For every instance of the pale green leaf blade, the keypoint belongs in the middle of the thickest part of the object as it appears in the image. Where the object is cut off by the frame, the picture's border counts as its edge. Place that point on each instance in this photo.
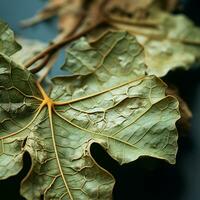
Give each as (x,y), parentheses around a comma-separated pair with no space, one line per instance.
(121,49)
(126,74)
(124,119)
(8,45)
(113,59)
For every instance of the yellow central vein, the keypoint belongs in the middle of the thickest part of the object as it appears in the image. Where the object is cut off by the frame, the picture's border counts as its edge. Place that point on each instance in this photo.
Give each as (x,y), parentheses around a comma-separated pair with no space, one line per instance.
(50,105)
(55,149)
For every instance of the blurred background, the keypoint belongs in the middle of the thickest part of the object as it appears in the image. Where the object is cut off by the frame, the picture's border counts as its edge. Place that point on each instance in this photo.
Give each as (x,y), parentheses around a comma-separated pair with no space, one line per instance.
(163,182)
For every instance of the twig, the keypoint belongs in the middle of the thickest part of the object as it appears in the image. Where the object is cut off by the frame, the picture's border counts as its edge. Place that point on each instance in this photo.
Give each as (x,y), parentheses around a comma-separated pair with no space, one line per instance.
(64,35)
(48,66)
(58,39)
(62,43)
(36,20)
(49,11)
(41,64)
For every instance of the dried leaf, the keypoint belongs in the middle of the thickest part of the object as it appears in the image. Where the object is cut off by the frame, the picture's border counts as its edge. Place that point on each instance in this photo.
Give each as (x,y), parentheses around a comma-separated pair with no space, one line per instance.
(107,100)
(170,41)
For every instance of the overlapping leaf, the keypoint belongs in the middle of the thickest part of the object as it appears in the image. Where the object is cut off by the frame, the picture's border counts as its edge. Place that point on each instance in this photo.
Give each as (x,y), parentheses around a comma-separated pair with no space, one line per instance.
(8,45)
(108,100)
(170,41)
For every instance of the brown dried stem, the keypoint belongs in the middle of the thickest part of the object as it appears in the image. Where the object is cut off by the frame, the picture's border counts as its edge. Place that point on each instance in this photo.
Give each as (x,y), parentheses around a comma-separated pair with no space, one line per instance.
(38,67)
(60,44)
(48,66)
(49,51)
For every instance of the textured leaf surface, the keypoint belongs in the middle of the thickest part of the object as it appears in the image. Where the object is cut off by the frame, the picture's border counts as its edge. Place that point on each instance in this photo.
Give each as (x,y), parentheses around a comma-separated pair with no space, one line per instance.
(8,44)
(107,100)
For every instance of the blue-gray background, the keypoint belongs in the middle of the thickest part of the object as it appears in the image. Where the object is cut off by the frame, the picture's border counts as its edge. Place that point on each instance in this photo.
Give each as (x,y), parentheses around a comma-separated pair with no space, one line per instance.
(180,182)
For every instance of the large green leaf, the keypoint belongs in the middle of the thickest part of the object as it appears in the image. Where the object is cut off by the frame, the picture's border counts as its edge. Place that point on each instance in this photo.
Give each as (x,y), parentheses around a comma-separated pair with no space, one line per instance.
(107,100)
(8,45)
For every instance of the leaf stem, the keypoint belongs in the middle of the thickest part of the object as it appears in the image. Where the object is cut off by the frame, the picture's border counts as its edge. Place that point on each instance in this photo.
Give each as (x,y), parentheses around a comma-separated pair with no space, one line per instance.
(61,44)
(41,64)
(48,67)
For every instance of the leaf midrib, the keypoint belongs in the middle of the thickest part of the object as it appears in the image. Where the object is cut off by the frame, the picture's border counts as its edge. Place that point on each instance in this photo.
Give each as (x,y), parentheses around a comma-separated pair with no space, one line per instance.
(56,152)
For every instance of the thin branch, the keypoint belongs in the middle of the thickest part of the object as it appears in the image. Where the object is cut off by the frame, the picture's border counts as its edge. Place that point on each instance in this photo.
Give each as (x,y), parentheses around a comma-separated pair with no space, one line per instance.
(64,35)
(61,43)
(36,20)
(49,11)
(60,37)
(48,66)
(41,64)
